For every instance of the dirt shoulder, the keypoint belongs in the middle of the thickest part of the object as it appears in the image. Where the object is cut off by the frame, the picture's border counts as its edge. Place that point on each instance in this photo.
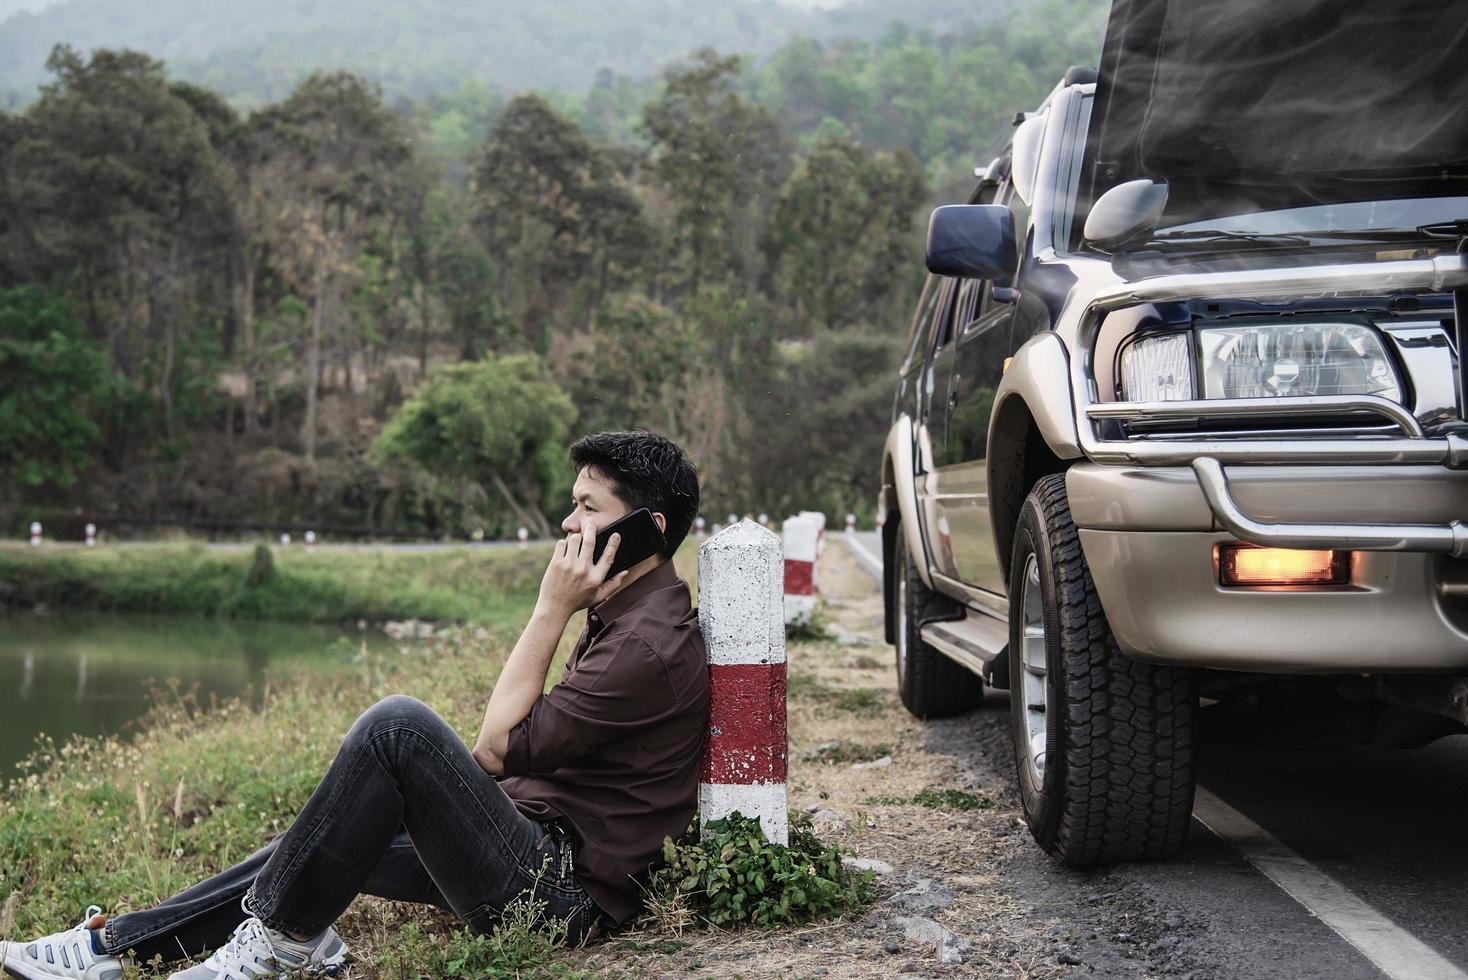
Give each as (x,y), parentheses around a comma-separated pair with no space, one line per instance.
(916,800)
(965,891)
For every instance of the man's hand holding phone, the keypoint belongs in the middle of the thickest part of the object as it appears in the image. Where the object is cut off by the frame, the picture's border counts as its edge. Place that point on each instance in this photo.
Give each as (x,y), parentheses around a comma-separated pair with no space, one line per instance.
(573,581)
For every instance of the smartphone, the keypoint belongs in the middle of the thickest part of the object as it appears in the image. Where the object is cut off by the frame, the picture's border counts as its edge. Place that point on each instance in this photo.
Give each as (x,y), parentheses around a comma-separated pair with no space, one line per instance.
(641,539)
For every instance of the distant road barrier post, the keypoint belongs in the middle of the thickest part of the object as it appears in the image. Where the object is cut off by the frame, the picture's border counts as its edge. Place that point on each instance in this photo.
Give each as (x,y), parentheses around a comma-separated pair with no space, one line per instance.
(91,535)
(285,540)
(522,535)
(699,528)
(742,618)
(35,534)
(850,523)
(820,519)
(802,551)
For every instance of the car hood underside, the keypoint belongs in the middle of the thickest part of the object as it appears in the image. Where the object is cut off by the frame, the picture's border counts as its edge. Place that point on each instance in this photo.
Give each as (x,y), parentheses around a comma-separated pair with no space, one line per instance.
(1285,102)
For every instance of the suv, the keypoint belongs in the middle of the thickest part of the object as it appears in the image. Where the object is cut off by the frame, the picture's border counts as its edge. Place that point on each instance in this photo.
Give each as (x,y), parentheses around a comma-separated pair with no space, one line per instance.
(1182,409)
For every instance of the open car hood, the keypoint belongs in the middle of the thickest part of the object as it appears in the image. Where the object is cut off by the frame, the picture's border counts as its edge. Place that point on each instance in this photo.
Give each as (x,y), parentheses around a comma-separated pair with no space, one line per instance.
(1246,105)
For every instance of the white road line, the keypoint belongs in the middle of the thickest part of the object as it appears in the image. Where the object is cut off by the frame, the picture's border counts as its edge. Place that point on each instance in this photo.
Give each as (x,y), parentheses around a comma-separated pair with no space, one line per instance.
(1393,950)
(864,557)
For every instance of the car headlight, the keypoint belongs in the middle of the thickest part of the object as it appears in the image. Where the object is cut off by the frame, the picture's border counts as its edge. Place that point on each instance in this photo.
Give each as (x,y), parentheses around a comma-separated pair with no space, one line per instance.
(1268,360)
(1158,368)
(1280,360)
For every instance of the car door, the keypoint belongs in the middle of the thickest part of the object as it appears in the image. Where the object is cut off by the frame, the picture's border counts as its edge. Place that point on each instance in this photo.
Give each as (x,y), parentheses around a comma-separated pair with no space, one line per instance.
(978,365)
(961,486)
(931,430)
(944,360)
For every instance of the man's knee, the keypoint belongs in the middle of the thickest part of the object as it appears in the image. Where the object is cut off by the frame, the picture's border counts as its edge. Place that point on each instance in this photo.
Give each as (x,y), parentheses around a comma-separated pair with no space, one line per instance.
(395,711)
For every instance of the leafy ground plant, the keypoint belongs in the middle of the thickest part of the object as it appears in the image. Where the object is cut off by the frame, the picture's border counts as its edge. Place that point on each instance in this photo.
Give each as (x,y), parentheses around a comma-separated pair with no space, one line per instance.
(938,799)
(734,876)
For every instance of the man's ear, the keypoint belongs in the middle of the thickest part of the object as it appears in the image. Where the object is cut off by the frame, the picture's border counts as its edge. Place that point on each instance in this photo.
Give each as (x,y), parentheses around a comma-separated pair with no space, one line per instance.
(662,522)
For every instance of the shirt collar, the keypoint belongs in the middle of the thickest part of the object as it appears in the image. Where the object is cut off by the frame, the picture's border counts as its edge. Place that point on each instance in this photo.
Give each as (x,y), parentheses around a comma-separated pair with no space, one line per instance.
(661,577)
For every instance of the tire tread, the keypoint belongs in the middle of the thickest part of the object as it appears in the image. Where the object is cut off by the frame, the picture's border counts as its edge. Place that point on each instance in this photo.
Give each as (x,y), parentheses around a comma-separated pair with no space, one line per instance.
(1127,741)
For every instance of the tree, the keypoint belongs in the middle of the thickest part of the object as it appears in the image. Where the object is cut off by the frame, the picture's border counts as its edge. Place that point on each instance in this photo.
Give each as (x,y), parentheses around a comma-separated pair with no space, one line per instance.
(717,158)
(50,372)
(325,166)
(555,215)
(822,422)
(118,199)
(499,424)
(842,236)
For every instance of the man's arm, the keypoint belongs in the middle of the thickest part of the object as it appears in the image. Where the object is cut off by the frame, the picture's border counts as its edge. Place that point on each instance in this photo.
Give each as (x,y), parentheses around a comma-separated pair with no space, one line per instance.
(571,582)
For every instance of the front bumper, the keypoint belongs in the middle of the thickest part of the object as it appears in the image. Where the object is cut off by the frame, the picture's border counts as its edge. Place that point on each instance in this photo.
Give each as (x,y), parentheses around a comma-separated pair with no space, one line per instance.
(1149,535)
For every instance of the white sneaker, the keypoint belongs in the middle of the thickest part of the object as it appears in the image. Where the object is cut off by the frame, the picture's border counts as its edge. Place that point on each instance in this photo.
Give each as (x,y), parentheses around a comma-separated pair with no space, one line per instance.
(254,952)
(61,956)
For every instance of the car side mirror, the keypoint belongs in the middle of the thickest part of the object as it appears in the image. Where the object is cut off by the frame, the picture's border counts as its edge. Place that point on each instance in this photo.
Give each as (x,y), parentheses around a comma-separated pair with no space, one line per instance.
(972,241)
(1127,213)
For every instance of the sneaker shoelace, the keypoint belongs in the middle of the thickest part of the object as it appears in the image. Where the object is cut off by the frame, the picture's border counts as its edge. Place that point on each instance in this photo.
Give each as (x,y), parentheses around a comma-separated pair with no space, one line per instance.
(238,952)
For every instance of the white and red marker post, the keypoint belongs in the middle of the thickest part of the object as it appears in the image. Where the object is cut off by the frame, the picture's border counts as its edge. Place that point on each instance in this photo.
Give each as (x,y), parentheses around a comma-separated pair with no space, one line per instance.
(742,617)
(820,518)
(802,552)
(35,534)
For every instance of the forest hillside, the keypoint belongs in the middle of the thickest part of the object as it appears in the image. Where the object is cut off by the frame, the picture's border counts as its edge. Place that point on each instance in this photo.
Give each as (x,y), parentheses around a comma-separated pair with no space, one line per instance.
(355,311)
(258,51)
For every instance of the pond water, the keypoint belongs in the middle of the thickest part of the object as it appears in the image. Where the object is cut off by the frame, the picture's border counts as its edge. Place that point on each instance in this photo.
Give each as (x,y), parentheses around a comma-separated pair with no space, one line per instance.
(93,674)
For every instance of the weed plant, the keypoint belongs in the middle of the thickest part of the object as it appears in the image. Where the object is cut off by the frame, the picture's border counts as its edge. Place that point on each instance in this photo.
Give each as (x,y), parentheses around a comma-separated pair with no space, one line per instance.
(735,876)
(938,799)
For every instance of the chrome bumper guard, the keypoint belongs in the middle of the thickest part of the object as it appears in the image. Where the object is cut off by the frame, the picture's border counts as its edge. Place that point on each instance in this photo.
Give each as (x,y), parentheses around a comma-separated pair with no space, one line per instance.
(1450,538)
(1207,452)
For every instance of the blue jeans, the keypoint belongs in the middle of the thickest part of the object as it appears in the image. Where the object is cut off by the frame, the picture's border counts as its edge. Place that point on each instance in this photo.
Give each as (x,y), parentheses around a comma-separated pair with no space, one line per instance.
(404,812)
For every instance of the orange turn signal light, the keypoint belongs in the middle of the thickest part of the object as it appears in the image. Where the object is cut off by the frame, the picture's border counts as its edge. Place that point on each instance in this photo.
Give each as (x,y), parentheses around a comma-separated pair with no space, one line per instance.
(1245,564)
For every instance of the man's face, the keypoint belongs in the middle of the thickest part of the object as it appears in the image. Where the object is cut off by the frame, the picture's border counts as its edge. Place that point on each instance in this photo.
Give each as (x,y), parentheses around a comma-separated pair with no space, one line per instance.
(594,501)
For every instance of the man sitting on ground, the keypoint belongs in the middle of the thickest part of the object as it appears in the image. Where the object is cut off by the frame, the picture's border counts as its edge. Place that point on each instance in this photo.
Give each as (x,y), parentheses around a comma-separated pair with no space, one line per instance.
(565,796)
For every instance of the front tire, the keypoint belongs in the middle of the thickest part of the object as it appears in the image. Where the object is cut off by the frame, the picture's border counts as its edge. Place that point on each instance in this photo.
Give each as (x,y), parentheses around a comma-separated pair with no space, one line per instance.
(1103,743)
(930,685)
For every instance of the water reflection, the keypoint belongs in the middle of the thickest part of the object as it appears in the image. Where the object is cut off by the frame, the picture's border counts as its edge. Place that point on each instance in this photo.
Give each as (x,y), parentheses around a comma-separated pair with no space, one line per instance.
(93,674)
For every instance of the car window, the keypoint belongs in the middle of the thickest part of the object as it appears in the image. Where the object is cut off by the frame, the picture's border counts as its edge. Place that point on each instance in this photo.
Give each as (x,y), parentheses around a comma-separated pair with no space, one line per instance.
(943,316)
(917,332)
(1072,153)
(1007,195)
(967,307)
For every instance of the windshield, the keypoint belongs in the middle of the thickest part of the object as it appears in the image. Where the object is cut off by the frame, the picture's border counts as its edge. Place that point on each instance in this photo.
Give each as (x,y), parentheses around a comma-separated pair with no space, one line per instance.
(1386,216)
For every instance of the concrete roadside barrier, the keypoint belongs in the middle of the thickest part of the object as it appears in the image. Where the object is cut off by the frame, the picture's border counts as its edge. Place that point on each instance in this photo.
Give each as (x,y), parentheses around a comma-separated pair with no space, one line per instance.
(802,552)
(741,615)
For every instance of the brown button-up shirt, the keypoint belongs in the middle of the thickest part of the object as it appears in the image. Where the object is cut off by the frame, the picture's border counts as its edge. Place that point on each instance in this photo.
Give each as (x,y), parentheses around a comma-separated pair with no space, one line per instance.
(615,747)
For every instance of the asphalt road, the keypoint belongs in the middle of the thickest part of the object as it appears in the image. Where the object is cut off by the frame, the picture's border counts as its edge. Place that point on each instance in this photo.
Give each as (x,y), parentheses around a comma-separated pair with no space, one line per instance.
(1368,841)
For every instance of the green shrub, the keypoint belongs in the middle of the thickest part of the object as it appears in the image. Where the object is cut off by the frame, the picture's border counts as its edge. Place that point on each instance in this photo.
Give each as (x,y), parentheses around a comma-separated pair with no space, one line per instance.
(735,876)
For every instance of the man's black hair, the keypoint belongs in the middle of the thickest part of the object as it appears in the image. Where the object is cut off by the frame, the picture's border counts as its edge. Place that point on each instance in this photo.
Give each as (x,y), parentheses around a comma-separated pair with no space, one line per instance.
(645,470)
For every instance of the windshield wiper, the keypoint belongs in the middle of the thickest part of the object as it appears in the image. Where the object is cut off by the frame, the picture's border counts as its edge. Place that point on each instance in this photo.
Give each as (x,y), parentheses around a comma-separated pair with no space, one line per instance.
(1218,236)
(1457,228)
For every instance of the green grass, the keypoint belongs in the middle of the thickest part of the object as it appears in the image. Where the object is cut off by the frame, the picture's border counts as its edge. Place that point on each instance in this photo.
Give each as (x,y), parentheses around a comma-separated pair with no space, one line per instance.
(330,585)
(938,799)
(125,823)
